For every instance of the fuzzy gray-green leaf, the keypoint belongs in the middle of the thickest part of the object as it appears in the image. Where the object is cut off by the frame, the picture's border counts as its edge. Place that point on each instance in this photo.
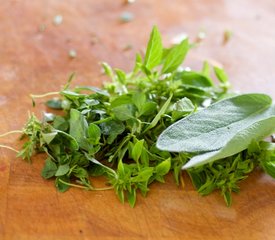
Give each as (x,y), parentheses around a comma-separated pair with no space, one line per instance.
(212,128)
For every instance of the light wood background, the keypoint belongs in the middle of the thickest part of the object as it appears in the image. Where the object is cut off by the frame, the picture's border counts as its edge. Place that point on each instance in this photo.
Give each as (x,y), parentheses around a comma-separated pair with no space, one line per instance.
(35,61)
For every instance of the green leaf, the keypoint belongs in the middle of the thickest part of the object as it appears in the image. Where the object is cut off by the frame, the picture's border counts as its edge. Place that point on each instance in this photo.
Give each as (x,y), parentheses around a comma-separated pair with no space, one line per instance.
(94,89)
(79,128)
(54,104)
(78,125)
(253,147)
(62,170)
(164,167)
(160,113)
(106,168)
(228,198)
(49,169)
(72,141)
(212,128)
(138,64)
(120,168)
(153,54)
(175,57)
(221,74)
(71,94)
(94,133)
(149,108)
(139,100)
(239,141)
(60,185)
(121,100)
(132,197)
(124,112)
(137,150)
(70,79)
(80,172)
(48,137)
(121,76)
(112,128)
(143,175)
(182,107)
(107,70)
(269,167)
(195,79)
(206,69)
(60,123)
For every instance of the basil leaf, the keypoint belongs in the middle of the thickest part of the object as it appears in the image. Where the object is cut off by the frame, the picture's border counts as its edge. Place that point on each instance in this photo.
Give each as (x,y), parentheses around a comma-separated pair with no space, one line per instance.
(137,150)
(154,50)
(195,79)
(221,74)
(164,167)
(124,112)
(175,57)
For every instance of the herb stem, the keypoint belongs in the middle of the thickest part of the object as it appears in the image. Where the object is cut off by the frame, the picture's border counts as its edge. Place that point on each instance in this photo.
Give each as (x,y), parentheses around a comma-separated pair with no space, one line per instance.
(102,189)
(74,185)
(11,132)
(103,120)
(8,147)
(44,95)
(87,187)
(126,140)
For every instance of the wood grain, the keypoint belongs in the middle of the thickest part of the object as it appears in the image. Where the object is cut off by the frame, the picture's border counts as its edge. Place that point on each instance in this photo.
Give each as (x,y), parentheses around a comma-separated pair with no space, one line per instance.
(34,61)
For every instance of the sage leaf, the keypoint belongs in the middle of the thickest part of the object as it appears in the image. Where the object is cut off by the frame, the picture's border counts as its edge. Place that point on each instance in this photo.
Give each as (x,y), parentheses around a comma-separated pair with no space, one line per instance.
(212,128)
(239,142)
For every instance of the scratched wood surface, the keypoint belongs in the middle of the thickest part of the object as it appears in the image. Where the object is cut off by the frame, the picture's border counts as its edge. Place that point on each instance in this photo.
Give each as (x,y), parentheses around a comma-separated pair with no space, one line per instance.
(35,60)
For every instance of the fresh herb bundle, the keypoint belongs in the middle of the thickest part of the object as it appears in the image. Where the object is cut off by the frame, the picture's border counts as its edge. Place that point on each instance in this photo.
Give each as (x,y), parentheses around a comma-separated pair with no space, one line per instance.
(114,130)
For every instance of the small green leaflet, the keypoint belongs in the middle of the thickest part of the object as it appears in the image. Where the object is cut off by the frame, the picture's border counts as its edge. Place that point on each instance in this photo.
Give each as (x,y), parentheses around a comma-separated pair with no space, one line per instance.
(62,170)
(79,128)
(160,113)
(182,108)
(164,167)
(175,57)
(154,50)
(137,150)
(48,137)
(221,75)
(49,169)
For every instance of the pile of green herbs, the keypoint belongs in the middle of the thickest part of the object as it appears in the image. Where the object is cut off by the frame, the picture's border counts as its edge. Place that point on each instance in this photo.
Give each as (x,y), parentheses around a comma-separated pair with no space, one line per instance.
(113,131)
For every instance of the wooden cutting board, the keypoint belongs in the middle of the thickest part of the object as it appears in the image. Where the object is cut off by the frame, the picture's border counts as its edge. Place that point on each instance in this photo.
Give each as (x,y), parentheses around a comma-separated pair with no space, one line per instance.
(34,59)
